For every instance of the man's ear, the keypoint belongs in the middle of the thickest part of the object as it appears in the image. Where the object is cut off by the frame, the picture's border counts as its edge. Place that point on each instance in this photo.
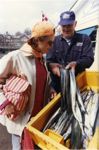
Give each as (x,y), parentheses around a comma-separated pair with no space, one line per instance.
(75,23)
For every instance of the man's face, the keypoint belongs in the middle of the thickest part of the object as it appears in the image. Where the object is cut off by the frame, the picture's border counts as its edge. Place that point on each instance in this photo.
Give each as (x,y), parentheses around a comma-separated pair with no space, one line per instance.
(68,30)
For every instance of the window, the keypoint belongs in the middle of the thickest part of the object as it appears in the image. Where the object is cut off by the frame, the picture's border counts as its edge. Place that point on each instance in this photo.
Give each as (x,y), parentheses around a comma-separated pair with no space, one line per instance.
(91,32)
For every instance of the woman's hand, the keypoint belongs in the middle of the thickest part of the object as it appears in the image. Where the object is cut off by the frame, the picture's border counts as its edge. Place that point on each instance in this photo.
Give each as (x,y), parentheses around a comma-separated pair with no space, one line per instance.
(9,111)
(53,93)
(55,68)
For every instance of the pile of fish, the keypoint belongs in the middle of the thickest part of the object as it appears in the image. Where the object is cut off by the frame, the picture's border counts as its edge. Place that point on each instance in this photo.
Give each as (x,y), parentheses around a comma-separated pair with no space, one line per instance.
(76,118)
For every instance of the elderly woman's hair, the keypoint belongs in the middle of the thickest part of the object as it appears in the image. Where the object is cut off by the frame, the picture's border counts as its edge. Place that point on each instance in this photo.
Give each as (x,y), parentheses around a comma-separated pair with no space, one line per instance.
(33,42)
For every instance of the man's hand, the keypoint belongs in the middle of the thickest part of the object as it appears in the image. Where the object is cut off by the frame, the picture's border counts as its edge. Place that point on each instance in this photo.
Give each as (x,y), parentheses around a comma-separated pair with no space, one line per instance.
(55,68)
(71,65)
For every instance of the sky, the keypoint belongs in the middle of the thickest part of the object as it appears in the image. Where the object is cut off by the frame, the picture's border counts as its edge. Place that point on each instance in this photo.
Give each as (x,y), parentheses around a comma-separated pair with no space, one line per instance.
(17,15)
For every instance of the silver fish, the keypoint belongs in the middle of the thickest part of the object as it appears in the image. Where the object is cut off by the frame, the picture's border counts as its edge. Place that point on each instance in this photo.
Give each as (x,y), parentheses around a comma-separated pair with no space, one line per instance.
(76,135)
(52,119)
(90,117)
(61,118)
(67,133)
(65,90)
(68,123)
(75,106)
(59,130)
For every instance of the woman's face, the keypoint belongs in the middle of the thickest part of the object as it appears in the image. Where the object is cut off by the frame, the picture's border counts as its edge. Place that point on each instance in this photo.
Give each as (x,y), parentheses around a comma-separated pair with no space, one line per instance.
(44,43)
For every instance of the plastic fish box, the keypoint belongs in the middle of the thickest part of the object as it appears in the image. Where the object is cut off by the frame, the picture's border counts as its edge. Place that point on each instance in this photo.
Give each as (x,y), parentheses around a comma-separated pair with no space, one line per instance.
(53,141)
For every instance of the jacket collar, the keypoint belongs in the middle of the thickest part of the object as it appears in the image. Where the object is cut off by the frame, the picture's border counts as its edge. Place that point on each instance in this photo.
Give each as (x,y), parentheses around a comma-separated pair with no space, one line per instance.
(27,50)
(72,38)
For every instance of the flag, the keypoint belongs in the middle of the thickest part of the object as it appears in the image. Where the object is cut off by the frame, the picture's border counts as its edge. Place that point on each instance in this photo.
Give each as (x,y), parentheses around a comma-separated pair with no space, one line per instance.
(44,18)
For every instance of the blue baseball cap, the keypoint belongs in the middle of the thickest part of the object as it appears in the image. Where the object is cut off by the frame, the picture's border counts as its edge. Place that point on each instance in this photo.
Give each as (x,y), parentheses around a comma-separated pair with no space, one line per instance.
(67,17)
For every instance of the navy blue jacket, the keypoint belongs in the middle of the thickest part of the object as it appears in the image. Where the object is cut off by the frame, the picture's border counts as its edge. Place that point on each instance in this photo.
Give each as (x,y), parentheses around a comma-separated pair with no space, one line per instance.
(80,50)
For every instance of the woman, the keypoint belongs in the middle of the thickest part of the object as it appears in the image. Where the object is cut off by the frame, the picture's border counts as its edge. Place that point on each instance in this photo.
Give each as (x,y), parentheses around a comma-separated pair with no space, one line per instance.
(28,62)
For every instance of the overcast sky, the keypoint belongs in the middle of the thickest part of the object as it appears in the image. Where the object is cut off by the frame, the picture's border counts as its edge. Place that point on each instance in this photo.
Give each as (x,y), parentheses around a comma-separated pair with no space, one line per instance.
(17,15)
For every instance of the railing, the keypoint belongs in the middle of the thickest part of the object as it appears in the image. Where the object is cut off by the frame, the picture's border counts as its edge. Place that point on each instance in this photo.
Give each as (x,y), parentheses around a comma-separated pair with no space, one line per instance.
(9,47)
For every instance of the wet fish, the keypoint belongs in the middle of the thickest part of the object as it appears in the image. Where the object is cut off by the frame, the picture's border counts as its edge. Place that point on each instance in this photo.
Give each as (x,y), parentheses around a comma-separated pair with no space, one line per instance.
(54,117)
(76,135)
(90,93)
(68,123)
(61,118)
(92,109)
(61,127)
(67,134)
(65,90)
(80,101)
(74,100)
(63,87)
(78,112)
(53,126)
(84,113)
(84,94)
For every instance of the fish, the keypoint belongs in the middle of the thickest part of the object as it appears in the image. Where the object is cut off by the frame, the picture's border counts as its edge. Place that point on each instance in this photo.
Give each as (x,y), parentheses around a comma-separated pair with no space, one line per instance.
(76,109)
(68,123)
(79,100)
(84,94)
(76,117)
(91,117)
(63,87)
(92,109)
(67,134)
(61,118)
(53,118)
(76,135)
(52,127)
(90,93)
(60,128)
(65,90)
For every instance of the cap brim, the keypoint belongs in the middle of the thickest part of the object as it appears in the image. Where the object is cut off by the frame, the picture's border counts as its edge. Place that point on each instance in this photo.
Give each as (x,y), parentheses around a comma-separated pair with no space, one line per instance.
(66,22)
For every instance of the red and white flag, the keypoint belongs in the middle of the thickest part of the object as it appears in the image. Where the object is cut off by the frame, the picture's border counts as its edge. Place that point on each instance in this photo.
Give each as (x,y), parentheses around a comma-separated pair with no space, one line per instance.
(44,18)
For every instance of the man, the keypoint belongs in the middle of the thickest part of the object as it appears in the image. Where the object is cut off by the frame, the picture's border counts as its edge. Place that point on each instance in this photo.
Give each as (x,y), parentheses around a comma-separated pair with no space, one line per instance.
(27,62)
(70,49)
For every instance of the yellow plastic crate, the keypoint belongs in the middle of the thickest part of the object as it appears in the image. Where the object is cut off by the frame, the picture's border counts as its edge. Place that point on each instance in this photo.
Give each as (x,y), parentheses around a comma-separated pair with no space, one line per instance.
(53,141)
(88,79)
(58,138)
